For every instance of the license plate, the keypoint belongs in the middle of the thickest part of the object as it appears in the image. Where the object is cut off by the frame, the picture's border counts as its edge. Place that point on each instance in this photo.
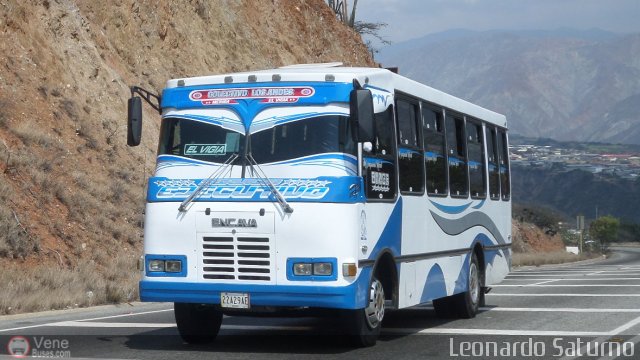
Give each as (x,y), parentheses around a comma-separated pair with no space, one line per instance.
(234,300)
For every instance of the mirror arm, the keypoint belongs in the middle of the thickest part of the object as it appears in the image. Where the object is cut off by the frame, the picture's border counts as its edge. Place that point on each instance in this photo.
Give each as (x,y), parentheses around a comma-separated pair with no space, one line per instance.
(147,96)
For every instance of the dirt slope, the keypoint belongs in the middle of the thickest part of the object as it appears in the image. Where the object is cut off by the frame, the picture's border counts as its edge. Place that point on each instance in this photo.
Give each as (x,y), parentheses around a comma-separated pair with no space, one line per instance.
(71,192)
(528,238)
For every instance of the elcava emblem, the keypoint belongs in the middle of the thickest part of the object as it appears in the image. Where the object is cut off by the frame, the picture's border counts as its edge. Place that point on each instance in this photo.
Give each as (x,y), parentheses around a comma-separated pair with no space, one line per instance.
(233,222)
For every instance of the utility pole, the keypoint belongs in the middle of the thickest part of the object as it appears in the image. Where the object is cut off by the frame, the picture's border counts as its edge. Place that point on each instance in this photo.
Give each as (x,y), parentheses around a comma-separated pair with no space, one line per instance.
(580,227)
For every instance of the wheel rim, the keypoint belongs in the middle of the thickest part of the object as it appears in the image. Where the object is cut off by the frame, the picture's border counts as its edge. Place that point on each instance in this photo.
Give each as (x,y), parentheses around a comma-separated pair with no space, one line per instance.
(374,312)
(474,283)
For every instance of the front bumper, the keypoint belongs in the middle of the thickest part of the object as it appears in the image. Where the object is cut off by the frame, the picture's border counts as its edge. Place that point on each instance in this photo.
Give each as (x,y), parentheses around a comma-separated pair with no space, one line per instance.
(353,296)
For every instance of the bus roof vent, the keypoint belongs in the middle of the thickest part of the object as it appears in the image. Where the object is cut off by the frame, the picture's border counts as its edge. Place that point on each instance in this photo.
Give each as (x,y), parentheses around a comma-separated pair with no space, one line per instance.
(313,66)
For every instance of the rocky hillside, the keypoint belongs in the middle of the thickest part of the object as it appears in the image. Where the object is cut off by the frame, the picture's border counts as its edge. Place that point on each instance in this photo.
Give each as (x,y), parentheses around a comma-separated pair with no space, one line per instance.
(528,238)
(71,192)
(565,85)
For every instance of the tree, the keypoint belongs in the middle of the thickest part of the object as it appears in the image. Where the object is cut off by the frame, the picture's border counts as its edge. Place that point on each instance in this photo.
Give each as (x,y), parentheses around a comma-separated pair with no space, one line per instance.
(340,8)
(605,229)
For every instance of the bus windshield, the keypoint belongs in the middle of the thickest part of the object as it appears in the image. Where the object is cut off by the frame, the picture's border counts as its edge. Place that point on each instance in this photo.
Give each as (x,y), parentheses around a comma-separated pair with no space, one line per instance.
(213,143)
(198,140)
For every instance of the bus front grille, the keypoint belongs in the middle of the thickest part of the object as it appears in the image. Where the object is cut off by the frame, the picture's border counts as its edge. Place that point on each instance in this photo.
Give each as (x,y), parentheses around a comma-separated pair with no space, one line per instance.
(237,257)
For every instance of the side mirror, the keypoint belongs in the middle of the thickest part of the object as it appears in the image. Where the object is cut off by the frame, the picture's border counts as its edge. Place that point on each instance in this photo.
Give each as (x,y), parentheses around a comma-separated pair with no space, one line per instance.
(134,122)
(361,102)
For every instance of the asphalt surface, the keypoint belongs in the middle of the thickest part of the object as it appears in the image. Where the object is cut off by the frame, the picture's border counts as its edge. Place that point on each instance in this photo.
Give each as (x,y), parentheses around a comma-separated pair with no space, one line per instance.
(572,311)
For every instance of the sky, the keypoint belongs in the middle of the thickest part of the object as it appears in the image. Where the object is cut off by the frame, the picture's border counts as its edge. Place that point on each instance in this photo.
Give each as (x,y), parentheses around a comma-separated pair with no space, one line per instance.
(409,19)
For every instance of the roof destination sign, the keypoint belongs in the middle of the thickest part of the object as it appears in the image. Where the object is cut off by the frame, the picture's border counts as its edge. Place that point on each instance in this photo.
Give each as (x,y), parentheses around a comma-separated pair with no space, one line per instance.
(280,94)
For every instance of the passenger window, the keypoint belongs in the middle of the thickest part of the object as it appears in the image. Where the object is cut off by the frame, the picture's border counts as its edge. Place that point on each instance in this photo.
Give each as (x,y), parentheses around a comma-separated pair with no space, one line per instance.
(380,163)
(410,156)
(477,173)
(505,173)
(407,115)
(494,175)
(434,150)
(457,155)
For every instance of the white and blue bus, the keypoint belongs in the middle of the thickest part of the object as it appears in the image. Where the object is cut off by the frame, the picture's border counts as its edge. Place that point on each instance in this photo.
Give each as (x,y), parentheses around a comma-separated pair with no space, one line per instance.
(321,186)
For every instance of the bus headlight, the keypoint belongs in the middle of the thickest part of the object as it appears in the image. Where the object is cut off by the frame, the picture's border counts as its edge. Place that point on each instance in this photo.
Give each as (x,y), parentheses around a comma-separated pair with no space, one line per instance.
(173,266)
(323,269)
(301,269)
(156,265)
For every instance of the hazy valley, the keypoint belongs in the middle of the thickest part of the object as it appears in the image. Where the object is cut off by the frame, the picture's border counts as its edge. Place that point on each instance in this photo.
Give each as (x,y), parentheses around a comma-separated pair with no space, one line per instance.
(563,84)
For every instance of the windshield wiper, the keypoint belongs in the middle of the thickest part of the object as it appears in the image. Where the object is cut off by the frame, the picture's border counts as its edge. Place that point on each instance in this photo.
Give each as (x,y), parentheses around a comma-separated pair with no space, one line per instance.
(253,164)
(204,183)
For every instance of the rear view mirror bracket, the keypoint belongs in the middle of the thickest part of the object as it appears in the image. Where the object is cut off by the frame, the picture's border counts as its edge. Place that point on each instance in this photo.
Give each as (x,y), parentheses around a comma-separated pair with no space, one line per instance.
(147,96)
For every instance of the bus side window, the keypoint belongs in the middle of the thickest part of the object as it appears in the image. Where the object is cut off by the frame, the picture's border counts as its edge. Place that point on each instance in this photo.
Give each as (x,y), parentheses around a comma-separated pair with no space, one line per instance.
(457,155)
(494,175)
(505,172)
(410,156)
(477,173)
(380,164)
(434,151)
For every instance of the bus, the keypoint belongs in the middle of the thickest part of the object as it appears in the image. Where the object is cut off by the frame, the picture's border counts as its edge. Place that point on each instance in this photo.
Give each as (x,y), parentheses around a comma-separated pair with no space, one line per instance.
(319,186)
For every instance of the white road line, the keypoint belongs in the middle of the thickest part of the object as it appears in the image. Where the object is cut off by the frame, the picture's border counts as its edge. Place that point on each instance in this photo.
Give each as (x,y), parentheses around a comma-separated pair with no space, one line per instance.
(585,269)
(521,309)
(627,326)
(125,315)
(576,273)
(607,337)
(553,272)
(578,279)
(582,277)
(84,324)
(485,331)
(98,318)
(565,285)
(564,310)
(539,283)
(597,272)
(567,295)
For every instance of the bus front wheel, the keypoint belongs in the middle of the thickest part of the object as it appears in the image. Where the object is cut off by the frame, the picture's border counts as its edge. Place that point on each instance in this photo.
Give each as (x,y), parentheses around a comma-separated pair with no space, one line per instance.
(366,323)
(197,323)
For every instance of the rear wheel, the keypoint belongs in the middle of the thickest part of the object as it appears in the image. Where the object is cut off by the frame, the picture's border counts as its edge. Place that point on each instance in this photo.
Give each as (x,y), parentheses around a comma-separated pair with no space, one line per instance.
(464,305)
(365,323)
(469,301)
(197,323)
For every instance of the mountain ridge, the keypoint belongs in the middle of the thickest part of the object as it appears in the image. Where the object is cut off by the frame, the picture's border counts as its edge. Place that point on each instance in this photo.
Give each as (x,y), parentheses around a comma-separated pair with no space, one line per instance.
(564,84)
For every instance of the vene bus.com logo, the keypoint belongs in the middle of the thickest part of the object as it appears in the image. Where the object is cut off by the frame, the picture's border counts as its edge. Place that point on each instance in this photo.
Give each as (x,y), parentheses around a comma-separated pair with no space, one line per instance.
(18,346)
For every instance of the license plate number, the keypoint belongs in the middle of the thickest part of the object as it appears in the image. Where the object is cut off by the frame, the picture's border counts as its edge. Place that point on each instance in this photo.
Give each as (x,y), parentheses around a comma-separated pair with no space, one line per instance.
(234,300)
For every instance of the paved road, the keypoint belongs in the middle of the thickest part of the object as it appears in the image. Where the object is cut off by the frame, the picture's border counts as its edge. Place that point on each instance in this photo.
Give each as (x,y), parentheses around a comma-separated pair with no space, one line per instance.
(545,312)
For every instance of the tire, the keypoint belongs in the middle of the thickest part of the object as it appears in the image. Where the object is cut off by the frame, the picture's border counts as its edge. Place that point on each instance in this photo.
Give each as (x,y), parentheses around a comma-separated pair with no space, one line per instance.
(468,302)
(464,305)
(197,323)
(365,324)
